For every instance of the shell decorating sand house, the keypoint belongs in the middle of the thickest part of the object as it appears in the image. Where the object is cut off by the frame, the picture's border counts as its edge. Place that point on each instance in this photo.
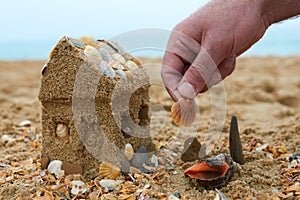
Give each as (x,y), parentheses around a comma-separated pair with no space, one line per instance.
(94,100)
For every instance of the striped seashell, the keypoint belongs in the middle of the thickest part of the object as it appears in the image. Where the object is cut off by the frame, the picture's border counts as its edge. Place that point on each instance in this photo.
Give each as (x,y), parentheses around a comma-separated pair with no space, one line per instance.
(129,152)
(130,65)
(87,40)
(61,130)
(105,56)
(183,112)
(108,170)
(119,58)
(92,54)
(128,75)
(137,61)
(109,49)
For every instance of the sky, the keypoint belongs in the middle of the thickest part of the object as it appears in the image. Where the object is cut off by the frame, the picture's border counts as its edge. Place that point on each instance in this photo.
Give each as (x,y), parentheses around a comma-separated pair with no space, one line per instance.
(38,21)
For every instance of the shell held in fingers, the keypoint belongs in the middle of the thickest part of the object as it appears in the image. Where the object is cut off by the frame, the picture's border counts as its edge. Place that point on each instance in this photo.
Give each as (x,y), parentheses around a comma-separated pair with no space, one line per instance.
(183,112)
(108,170)
(215,172)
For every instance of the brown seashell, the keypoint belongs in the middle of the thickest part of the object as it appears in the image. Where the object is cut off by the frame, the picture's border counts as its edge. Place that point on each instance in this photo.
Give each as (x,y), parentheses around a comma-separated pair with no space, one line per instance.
(88,40)
(137,61)
(129,152)
(62,130)
(235,145)
(107,170)
(215,172)
(183,112)
(128,75)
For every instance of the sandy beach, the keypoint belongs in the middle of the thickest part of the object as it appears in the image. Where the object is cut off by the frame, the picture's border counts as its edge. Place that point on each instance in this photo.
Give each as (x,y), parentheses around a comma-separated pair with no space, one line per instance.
(262,92)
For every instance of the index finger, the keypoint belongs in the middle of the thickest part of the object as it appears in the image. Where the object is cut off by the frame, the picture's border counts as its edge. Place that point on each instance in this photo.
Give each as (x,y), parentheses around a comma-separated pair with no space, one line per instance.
(172,72)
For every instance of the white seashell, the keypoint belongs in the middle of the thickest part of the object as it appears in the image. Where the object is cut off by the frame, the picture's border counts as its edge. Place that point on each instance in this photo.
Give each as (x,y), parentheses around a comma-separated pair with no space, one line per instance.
(129,152)
(78,187)
(119,58)
(121,73)
(88,40)
(127,56)
(109,72)
(220,195)
(92,54)
(107,170)
(54,166)
(129,75)
(109,49)
(61,130)
(154,160)
(108,184)
(115,46)
(105,56)
(130,65)
(25,123)
(116,65)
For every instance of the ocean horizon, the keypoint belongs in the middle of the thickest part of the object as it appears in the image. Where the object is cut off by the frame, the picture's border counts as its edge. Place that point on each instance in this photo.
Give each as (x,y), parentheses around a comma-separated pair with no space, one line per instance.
(272,44)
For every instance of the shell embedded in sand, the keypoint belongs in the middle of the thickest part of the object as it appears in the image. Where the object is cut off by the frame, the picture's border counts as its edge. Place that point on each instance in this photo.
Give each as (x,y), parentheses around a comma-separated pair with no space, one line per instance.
(128,75)
(183,112)
(214,172)
(130,65)
(92,54)
(107,170)
(109,72)
(54,167)
(129,152)
(87,40)
(116,65)
(137,61)
(120,73)
(105,56)
(119,58)
(61,130)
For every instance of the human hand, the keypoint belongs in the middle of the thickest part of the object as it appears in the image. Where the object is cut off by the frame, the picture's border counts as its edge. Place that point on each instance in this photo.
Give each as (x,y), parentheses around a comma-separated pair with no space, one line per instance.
(202,49)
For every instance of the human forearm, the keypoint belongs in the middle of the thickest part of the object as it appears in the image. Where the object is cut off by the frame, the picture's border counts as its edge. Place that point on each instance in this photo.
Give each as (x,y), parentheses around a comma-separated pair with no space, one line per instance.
(278,10)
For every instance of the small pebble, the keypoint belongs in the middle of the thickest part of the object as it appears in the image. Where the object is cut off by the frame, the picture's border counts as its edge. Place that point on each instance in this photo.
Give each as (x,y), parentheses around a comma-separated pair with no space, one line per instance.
(177,194)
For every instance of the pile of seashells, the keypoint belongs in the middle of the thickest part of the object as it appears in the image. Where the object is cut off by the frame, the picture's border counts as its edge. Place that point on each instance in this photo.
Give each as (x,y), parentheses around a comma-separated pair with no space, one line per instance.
(110,57)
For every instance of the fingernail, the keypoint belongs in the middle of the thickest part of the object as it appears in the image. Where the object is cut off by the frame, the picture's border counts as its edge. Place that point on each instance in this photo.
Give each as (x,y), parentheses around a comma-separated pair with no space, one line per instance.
(186,90)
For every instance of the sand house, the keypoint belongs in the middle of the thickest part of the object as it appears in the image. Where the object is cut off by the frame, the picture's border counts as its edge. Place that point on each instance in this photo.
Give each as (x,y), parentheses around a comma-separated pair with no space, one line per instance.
(95,100)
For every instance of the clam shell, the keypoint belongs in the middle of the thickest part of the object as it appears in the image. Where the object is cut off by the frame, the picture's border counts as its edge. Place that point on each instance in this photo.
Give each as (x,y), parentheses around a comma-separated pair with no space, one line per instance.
(92,54)
(183,112)
(78,187)
(128,75)
(215,172)
(105,56)
(137,61)
(87,40)
(107,170)
(130,65)
(129,152)
(62,130)
(26,123)
(117,57)
(54,166)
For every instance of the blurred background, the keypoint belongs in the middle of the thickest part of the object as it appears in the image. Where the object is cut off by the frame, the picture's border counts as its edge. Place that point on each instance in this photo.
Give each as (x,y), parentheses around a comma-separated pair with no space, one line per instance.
(30,29)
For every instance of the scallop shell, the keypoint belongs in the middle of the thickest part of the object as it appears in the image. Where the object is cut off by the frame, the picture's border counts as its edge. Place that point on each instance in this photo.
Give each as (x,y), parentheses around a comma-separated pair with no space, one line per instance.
(215,172)
(129,152)
(119,58)
(107,170)
(87,40)
(92,54)
(61,130)
(183,112)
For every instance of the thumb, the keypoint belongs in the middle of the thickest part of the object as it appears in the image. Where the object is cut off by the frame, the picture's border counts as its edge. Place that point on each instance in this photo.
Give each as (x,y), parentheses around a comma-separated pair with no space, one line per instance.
(197,77)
